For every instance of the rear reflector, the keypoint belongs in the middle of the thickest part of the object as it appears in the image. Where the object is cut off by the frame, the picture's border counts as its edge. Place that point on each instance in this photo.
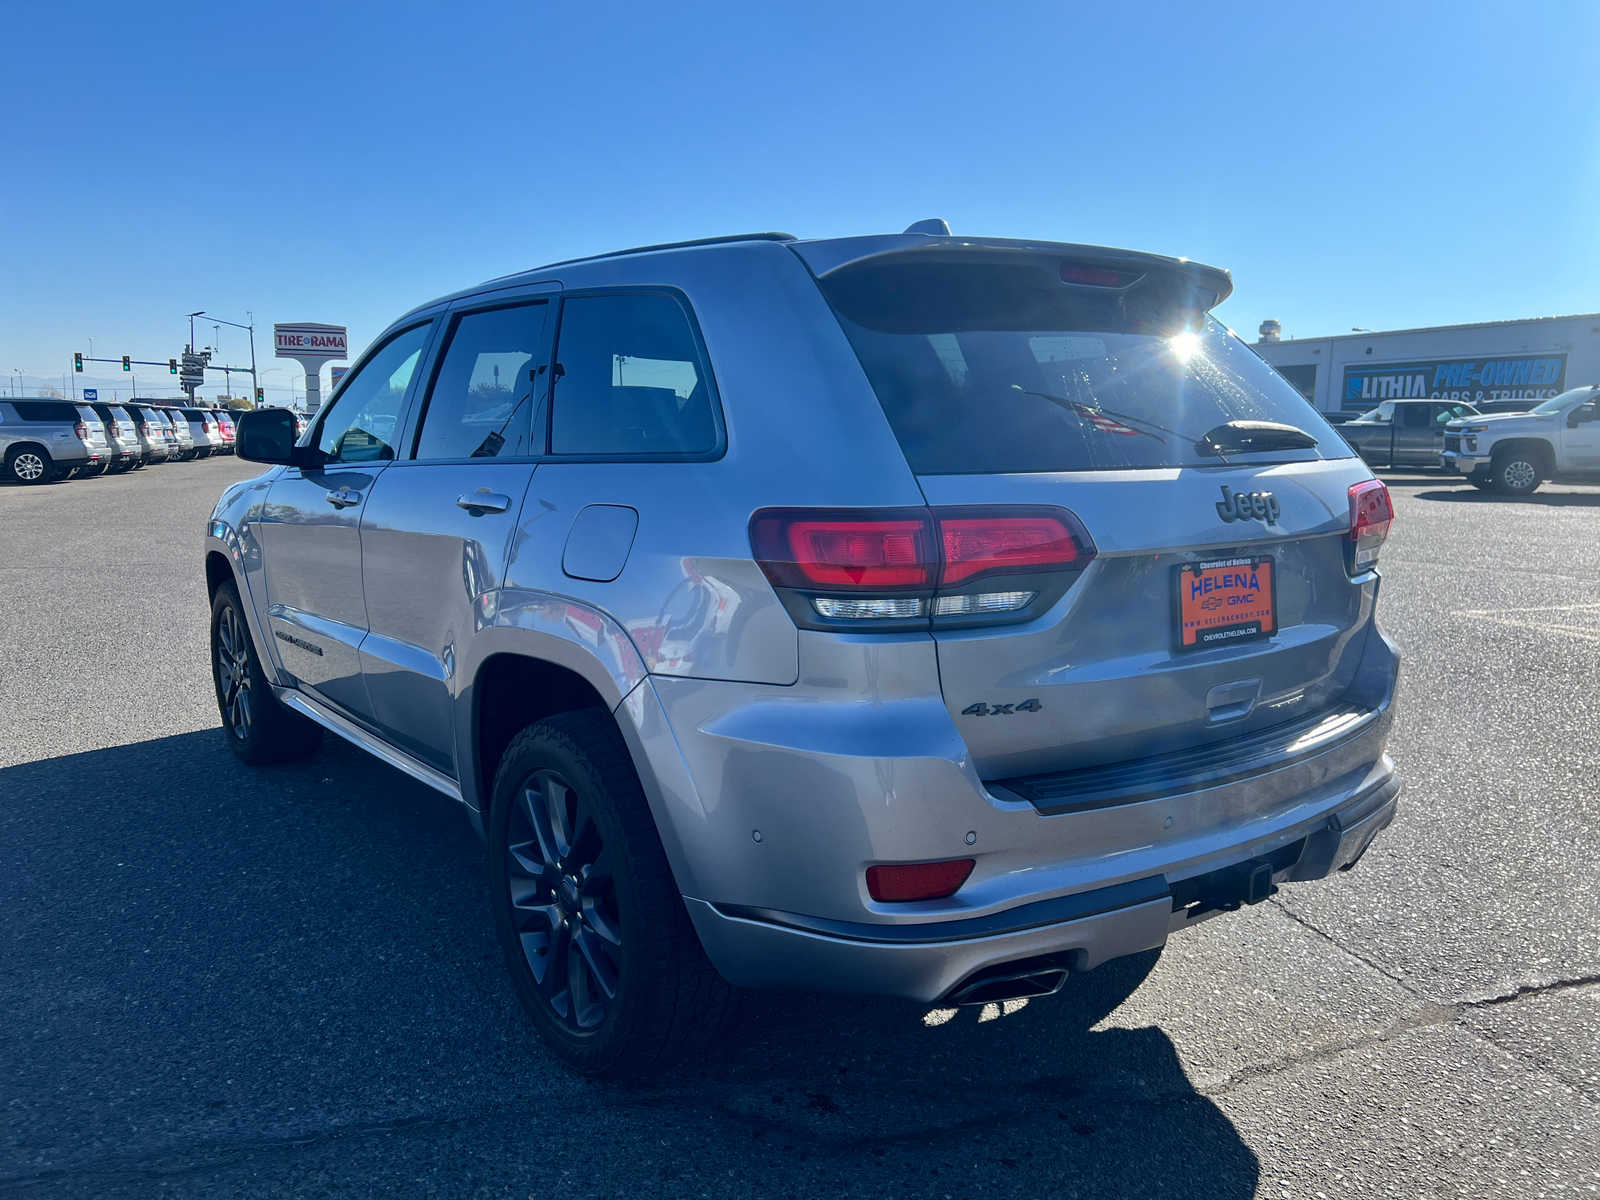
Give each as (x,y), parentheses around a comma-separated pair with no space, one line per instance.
(918,881)
(1371,514)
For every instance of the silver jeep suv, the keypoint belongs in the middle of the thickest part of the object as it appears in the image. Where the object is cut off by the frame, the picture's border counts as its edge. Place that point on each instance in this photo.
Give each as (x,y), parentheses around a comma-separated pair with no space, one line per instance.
(928,616)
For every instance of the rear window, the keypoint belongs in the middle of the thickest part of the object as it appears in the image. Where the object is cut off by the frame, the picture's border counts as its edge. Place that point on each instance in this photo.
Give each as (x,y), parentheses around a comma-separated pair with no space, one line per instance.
(1000,367)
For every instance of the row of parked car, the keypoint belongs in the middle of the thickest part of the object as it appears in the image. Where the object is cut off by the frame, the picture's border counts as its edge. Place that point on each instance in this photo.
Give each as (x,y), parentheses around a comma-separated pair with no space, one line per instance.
(45,439)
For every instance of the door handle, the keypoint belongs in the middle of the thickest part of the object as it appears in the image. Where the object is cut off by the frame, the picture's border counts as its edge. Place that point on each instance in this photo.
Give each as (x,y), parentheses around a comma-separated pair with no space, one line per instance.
(343,497)
(478,503)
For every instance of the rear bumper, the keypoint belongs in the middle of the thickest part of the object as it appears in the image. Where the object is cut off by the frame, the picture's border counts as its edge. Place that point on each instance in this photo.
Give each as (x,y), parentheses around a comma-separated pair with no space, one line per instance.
(931,962)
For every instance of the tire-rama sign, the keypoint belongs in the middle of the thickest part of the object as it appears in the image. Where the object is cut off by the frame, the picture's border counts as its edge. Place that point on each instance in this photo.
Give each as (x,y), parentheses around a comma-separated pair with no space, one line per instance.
(1468,380)
(305,341)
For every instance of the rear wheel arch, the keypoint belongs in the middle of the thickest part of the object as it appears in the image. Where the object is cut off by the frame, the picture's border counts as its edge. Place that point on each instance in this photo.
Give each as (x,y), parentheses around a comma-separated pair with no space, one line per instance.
(511,691)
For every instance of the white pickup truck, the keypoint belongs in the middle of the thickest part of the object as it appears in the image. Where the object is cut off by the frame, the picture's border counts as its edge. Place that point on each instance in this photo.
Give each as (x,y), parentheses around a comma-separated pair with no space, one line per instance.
(1515,452)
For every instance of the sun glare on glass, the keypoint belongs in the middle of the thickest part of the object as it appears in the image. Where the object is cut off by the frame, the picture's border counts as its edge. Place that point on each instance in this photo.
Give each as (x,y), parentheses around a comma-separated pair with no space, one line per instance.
(1184,345)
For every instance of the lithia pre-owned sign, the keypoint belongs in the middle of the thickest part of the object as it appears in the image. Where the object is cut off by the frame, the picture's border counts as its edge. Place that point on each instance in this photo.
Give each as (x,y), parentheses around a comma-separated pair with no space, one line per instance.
(311,341)
(1469,380)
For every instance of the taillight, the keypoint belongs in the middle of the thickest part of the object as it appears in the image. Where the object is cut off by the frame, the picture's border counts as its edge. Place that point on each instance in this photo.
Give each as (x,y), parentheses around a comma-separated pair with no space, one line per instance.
(873,551)
(999,544)
(81,430)
(114,429)
(1371,514)
(899,568)
(144,428)
(900,882)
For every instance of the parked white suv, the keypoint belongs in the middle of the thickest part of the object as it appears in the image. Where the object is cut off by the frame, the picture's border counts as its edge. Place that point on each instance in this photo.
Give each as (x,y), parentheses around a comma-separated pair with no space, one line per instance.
(1516,452)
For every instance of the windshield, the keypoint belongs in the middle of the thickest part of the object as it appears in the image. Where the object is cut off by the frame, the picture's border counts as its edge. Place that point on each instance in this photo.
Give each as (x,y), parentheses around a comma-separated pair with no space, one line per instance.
(1557,403)
(995,368)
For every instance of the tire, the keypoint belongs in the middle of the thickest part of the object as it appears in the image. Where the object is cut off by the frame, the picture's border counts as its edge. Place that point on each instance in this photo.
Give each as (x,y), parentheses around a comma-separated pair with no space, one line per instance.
(594,931)
(258,728)
(29,464)
(1484,483)
(1517,473)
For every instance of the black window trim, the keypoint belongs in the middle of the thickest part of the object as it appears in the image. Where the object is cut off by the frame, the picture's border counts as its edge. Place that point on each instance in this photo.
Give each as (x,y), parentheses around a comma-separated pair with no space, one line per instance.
(313,434)
(424,398)
(713,393)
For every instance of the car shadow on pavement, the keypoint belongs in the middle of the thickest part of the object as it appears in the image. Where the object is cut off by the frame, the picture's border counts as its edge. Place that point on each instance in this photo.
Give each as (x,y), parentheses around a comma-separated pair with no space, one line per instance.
(210,964)
(1471,495)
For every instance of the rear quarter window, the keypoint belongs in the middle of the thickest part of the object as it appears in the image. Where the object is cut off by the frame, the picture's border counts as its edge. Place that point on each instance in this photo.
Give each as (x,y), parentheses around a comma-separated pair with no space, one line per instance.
(46,411)
(631,380)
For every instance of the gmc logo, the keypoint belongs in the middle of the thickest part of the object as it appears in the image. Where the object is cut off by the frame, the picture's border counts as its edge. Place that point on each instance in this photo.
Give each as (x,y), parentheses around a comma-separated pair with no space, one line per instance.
(1248,506)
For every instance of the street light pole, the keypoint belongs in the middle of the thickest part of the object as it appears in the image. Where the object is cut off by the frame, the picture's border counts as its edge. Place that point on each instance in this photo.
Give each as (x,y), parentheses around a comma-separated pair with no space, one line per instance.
(252,328)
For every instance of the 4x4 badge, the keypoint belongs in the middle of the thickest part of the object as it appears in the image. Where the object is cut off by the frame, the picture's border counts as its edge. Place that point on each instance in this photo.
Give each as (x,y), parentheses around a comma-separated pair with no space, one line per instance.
(980,709)
(1245,506)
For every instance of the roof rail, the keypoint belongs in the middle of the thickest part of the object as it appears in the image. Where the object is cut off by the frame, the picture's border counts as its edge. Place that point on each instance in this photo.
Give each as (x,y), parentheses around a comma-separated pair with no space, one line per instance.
(710,241)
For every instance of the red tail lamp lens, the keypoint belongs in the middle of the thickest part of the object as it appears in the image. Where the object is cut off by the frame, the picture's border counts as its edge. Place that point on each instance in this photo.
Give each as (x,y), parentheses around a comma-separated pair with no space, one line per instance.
(1371,510)
(980,545)
(1371,514)
(836,550)
(918,881)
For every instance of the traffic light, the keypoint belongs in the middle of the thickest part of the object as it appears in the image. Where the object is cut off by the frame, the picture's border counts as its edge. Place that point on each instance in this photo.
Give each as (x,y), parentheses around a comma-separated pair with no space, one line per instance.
(172,366)
(125,365)
(77,361)
(261,394)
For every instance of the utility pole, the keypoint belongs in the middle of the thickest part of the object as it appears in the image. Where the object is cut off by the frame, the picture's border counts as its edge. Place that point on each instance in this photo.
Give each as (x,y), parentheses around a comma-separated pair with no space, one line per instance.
(252,328)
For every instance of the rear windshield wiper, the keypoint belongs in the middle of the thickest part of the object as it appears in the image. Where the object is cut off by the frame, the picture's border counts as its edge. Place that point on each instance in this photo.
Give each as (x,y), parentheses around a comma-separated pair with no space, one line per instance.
(1106,420)
(1236,437)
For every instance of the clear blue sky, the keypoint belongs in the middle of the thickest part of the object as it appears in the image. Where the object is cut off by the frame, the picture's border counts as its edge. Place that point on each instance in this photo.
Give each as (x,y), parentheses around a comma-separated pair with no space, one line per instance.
(1390,165)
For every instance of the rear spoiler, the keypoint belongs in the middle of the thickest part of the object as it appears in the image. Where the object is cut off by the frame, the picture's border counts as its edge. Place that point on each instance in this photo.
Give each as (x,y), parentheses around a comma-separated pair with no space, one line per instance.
(1209,286)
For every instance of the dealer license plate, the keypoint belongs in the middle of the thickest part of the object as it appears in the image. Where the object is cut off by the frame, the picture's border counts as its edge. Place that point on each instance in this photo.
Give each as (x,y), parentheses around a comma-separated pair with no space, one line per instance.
(1225,600)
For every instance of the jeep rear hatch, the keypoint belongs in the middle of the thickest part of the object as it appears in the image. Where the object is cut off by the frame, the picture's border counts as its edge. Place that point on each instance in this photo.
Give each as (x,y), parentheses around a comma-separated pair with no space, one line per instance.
(1215,591)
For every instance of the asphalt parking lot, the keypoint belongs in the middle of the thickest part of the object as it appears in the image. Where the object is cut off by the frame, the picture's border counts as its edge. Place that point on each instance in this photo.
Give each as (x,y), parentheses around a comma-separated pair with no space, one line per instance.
(284,980)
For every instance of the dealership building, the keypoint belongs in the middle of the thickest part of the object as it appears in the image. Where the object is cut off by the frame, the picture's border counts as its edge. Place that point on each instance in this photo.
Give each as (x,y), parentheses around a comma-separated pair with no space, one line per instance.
(1500,360)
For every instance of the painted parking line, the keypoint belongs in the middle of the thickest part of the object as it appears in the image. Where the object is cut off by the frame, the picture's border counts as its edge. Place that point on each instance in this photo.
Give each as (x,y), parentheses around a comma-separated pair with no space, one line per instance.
(1519,618)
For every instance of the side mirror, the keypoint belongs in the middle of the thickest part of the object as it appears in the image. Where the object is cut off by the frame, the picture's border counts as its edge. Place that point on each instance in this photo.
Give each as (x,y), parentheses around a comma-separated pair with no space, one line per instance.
(266,435)
(1584,412)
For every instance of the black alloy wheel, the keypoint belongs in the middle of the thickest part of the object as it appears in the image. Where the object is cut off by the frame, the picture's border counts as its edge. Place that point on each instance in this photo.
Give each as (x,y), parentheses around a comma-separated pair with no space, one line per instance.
(564,900)
(231,664)
(258,726)
(594,931)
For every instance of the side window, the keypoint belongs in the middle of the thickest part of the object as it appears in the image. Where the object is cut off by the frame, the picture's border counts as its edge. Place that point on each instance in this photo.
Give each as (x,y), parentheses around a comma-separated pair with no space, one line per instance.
(483,398)
(360,427)
(1415,416)
(630,379)
(46,411)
